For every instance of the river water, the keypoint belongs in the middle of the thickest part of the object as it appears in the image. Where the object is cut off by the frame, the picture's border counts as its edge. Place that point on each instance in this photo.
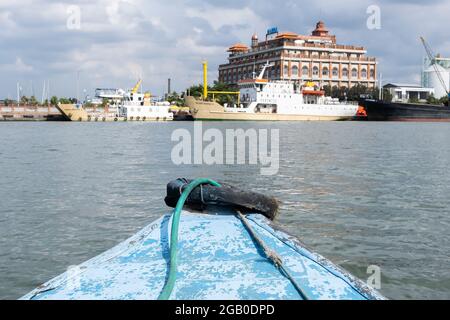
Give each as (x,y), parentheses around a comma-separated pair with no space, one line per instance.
(359,193)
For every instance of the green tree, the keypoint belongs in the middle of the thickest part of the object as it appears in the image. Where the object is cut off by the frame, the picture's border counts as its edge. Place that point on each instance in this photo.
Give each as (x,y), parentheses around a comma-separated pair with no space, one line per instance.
(24,100)
(355,92)
(224,98)
(33,101)
(327,90)
(335,92)
(175,98)
(413,100)
(444,100)
(387,96)
(195,91)
(54,101)
(65,101)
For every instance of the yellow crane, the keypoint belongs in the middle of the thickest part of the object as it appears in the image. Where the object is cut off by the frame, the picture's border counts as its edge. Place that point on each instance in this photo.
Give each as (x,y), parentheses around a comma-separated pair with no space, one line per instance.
(137,86)
(205,85)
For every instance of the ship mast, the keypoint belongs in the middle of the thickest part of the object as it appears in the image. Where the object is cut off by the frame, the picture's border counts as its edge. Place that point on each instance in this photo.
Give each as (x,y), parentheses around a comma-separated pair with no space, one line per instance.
(267,65)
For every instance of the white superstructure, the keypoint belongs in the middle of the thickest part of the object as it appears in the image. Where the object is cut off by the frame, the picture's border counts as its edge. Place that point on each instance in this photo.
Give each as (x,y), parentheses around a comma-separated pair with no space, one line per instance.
(138,106)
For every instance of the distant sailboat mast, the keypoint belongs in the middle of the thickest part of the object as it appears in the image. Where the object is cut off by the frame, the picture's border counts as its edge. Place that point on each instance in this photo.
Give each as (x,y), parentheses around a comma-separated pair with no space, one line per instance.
(18,94)
(43,93)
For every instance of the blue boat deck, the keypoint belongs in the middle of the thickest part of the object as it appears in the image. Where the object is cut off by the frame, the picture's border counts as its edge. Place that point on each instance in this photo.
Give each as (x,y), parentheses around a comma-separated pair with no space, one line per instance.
(217,259)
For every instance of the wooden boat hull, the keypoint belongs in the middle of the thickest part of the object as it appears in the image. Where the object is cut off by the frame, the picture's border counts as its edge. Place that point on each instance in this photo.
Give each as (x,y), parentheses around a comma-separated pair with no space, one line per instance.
(217,259)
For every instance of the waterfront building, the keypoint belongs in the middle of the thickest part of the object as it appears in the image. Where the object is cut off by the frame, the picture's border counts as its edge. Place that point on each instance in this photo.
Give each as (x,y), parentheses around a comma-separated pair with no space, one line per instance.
(300,58)
(408,92)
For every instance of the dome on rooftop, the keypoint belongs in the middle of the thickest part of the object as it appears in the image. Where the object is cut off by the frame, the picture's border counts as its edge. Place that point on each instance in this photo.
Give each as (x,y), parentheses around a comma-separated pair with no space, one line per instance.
(320,30)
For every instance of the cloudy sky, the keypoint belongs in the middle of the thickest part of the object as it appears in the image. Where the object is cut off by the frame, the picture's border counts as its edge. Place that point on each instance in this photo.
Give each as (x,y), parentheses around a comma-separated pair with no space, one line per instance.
(118,41)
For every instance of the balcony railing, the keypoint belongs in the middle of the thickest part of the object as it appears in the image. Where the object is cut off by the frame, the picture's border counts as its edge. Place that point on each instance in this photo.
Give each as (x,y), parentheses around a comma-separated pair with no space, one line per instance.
(327,57)
(324,46)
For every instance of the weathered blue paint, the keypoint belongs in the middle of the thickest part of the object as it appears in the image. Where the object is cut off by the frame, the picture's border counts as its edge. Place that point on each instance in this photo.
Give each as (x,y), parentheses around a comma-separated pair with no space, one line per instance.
(217,259)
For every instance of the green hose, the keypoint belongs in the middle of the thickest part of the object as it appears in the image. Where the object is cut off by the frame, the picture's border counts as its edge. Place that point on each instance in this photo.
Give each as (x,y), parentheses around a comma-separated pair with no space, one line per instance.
(168,287)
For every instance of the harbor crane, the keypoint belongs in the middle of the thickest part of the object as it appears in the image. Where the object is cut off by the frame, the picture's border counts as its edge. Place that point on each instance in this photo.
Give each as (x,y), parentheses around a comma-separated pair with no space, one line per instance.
(206,92)
(137,86)
(432,58)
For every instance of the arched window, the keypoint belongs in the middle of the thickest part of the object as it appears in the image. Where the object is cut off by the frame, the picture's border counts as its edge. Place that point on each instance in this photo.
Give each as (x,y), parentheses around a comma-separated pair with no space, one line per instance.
(315,71)
(295,71)
(305,71)
(372,73)
(335,72)
(325,71)
(364,73)
(345,73)
(354,73)
(285,71)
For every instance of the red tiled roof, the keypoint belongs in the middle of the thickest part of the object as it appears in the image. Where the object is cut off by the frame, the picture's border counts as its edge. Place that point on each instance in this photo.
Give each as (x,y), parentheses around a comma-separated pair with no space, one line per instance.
(238,47)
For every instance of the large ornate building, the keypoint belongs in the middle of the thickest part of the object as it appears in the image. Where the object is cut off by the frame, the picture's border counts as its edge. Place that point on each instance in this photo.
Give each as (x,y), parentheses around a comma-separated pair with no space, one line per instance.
(295,57)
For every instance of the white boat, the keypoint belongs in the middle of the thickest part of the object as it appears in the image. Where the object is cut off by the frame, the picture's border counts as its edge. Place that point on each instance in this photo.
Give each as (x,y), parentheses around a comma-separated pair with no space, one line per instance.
(260,99)
(138,106)
(123,106)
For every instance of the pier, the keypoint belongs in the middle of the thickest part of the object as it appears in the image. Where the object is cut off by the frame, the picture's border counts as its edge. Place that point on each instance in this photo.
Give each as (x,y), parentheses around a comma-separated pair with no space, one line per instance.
(29,113)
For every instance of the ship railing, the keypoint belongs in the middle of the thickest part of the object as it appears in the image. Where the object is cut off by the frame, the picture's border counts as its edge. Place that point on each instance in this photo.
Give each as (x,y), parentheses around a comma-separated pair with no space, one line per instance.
(340,102)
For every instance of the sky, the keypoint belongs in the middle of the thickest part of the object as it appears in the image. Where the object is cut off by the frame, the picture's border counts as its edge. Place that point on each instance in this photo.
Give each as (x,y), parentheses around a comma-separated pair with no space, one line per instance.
(113,43)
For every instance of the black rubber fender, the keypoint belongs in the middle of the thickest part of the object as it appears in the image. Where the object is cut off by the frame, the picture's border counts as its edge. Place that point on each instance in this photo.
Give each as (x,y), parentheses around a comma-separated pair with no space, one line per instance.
(225,196)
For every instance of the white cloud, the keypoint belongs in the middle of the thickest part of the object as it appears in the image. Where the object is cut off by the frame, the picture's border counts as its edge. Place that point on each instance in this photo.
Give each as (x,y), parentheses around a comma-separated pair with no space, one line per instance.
(18,66)
(21,66)
(220,17)
(121,40)
(7,25)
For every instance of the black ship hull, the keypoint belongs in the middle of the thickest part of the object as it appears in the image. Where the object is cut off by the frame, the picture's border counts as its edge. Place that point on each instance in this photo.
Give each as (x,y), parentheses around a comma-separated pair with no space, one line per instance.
(387,111)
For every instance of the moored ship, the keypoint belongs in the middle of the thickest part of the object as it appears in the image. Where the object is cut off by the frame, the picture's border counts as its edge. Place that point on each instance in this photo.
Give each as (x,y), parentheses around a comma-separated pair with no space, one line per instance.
(395,111)
(261,99)
(131,106)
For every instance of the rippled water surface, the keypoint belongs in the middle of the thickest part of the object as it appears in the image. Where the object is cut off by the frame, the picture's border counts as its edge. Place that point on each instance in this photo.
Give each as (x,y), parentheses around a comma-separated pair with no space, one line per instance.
(358,193)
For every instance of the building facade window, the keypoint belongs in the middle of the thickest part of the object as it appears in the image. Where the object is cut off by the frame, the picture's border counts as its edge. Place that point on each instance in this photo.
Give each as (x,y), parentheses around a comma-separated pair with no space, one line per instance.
(305,71)
(325,71)
(354,73)
(372,73)
(295,71)
(345,73)
(285,71)
(335,72)
(364,73)
(315,71)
